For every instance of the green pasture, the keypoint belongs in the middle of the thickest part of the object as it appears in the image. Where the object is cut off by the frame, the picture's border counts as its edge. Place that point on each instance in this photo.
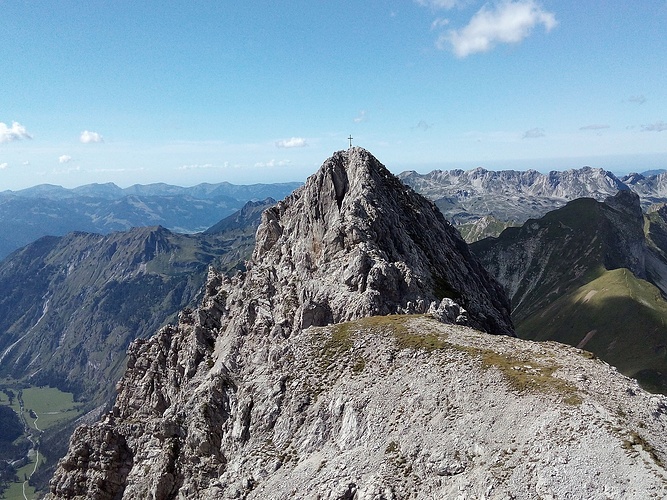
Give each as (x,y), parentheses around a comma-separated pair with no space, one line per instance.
(52,407)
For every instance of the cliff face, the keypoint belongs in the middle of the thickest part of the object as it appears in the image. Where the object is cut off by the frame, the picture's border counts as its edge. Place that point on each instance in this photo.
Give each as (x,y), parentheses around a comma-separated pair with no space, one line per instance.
(355,242)
(289,380)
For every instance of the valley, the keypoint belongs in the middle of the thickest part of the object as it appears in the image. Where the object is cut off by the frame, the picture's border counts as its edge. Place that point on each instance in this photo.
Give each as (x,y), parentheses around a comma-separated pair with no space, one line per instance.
(40,411)
(73,304)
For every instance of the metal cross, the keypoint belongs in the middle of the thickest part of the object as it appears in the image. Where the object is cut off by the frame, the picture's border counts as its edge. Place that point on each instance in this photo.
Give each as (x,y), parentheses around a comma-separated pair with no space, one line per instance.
(350,139)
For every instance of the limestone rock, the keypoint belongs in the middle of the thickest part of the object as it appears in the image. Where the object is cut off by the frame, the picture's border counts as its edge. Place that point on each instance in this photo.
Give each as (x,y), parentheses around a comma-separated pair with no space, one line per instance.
(311,376)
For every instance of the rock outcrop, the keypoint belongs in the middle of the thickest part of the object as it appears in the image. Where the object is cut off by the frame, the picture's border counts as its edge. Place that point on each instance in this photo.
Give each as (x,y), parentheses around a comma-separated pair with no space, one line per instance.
(384,407)
(296,379)
(355,242)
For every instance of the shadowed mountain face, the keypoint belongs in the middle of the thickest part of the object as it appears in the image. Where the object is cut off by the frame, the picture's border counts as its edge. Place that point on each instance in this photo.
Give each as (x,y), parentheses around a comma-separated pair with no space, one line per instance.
(591,274)
(293,379)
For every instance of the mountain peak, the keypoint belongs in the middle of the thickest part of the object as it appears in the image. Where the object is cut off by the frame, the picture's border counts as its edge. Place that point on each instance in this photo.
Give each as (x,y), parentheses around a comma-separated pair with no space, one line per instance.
(361,243)
(352,243)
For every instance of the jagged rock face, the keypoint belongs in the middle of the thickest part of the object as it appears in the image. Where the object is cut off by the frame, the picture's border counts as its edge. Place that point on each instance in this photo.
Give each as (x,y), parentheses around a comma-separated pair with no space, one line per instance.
(567,185)
(355,242)
(200,400)
(652,188)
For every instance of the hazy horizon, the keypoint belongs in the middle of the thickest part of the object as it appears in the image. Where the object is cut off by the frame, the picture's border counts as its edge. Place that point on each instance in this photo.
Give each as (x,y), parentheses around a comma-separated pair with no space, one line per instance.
(615,166)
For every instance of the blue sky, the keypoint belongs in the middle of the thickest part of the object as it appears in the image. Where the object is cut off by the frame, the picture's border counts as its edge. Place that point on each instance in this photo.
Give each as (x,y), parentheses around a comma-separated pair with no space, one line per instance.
(209,91)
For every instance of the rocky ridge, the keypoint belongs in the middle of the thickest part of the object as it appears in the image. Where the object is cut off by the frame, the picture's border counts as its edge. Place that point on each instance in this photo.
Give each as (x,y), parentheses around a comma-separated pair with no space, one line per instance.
(290,380)
(509,195)
(384,407)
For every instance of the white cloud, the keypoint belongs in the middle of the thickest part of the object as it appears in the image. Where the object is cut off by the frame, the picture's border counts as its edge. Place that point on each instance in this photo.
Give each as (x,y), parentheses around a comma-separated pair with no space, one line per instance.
(423,126)
(509,22)
(3,166)
(66,171)
(637,99)
(655,127)
(294,142)
(13,133)
(362,117)
(534,133)
(594,127)
(88,137)
(205,166)
(64,159)
(439,23)
(441,4)
(273,163)
(196,166)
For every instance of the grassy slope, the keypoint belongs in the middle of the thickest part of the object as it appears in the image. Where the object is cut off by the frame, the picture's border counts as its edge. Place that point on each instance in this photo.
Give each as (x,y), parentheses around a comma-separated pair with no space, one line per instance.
(617,316)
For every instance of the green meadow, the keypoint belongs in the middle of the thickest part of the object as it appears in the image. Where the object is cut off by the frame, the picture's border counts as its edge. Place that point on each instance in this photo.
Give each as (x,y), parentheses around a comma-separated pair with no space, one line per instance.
(44,408)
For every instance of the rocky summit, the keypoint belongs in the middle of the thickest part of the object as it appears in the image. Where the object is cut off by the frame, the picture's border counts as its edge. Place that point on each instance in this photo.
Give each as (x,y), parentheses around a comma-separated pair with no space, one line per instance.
(338,365)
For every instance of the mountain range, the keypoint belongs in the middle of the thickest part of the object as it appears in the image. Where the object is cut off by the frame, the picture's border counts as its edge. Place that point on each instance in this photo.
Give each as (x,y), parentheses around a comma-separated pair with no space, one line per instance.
(352,359)
(59,287)
(484,202)
(48,210)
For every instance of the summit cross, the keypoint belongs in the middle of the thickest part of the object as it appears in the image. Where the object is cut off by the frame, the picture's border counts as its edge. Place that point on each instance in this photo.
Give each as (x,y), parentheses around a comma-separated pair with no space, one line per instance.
(350,139)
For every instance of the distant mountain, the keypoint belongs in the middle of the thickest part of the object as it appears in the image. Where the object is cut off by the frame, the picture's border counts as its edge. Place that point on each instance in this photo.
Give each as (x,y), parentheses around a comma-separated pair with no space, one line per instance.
(245,219)
(71,305)
(650,173)
(594,275)
(29,214)
(651,189)
(509,195)
(483,227)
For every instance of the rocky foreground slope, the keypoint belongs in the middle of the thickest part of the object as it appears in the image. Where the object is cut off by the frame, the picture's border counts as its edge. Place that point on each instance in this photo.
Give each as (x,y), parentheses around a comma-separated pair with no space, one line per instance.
(292,381)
